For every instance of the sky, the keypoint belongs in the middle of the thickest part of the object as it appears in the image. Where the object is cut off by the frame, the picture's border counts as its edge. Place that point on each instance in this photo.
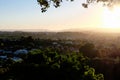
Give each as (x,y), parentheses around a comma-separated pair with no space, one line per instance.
(26,15)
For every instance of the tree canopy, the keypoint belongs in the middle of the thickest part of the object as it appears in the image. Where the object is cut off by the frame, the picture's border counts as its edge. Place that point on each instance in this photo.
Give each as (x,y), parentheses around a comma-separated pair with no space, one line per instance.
(45,4)
(48,64)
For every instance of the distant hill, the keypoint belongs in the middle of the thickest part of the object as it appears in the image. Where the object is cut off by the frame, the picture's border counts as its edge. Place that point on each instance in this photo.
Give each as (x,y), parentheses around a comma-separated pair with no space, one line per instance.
(59,35)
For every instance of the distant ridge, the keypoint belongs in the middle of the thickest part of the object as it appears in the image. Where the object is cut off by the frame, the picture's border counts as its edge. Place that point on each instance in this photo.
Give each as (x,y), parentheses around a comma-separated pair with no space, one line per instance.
(100,30)
(25,30)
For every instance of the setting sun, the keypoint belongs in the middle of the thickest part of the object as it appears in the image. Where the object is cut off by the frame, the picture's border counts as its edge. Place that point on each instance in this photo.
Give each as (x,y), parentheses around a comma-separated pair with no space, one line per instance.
(111,18)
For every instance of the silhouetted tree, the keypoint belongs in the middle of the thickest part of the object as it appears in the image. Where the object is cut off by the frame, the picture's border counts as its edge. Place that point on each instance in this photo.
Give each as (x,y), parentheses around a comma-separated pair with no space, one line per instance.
(88,50)
(45,4)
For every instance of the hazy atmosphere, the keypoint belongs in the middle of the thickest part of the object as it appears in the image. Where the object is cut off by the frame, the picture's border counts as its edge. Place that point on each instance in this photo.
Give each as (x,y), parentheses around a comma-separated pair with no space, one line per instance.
(26,15)
(59,40)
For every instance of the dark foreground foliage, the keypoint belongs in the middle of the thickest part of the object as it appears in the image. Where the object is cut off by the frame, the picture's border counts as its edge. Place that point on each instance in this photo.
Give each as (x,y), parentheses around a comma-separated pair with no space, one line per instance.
(49,65)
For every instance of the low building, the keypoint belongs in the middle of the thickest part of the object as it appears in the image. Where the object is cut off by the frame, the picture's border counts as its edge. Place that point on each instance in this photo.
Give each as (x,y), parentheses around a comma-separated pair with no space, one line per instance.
(21,51)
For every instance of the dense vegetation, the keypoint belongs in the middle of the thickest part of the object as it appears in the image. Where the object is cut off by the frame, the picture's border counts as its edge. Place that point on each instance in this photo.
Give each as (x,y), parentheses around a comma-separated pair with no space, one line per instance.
(49,65)
(67,56)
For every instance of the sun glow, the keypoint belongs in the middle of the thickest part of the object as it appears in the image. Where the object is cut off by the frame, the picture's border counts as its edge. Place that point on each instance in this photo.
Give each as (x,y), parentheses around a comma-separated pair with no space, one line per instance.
(111,18)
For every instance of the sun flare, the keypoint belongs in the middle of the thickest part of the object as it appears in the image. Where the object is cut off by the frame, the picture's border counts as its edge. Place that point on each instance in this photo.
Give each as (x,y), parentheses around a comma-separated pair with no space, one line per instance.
(111,18)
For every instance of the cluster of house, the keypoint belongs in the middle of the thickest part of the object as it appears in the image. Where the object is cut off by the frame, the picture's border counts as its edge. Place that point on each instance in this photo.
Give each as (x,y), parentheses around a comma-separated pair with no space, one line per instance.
(15,55)
(5,55)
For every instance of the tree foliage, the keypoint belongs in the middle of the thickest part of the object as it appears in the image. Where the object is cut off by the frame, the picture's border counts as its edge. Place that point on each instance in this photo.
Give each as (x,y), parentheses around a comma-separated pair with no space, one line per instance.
(58,66)
(50,65)
(45,4)
(88,50)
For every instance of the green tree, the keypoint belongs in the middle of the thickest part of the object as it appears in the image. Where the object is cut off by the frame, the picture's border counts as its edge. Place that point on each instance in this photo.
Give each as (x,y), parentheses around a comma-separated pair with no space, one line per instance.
(58,66)
(88,50)
(47,64)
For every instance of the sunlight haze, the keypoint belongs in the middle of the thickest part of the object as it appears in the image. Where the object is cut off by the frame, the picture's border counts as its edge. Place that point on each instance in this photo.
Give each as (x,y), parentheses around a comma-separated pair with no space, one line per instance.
(26,15)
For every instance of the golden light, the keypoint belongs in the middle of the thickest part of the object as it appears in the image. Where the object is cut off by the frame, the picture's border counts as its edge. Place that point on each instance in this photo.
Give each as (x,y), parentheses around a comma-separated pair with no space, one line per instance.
(111,18)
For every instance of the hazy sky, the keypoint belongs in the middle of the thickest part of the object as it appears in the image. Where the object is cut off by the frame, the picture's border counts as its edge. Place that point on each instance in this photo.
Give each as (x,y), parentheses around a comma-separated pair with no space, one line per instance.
(26,14)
